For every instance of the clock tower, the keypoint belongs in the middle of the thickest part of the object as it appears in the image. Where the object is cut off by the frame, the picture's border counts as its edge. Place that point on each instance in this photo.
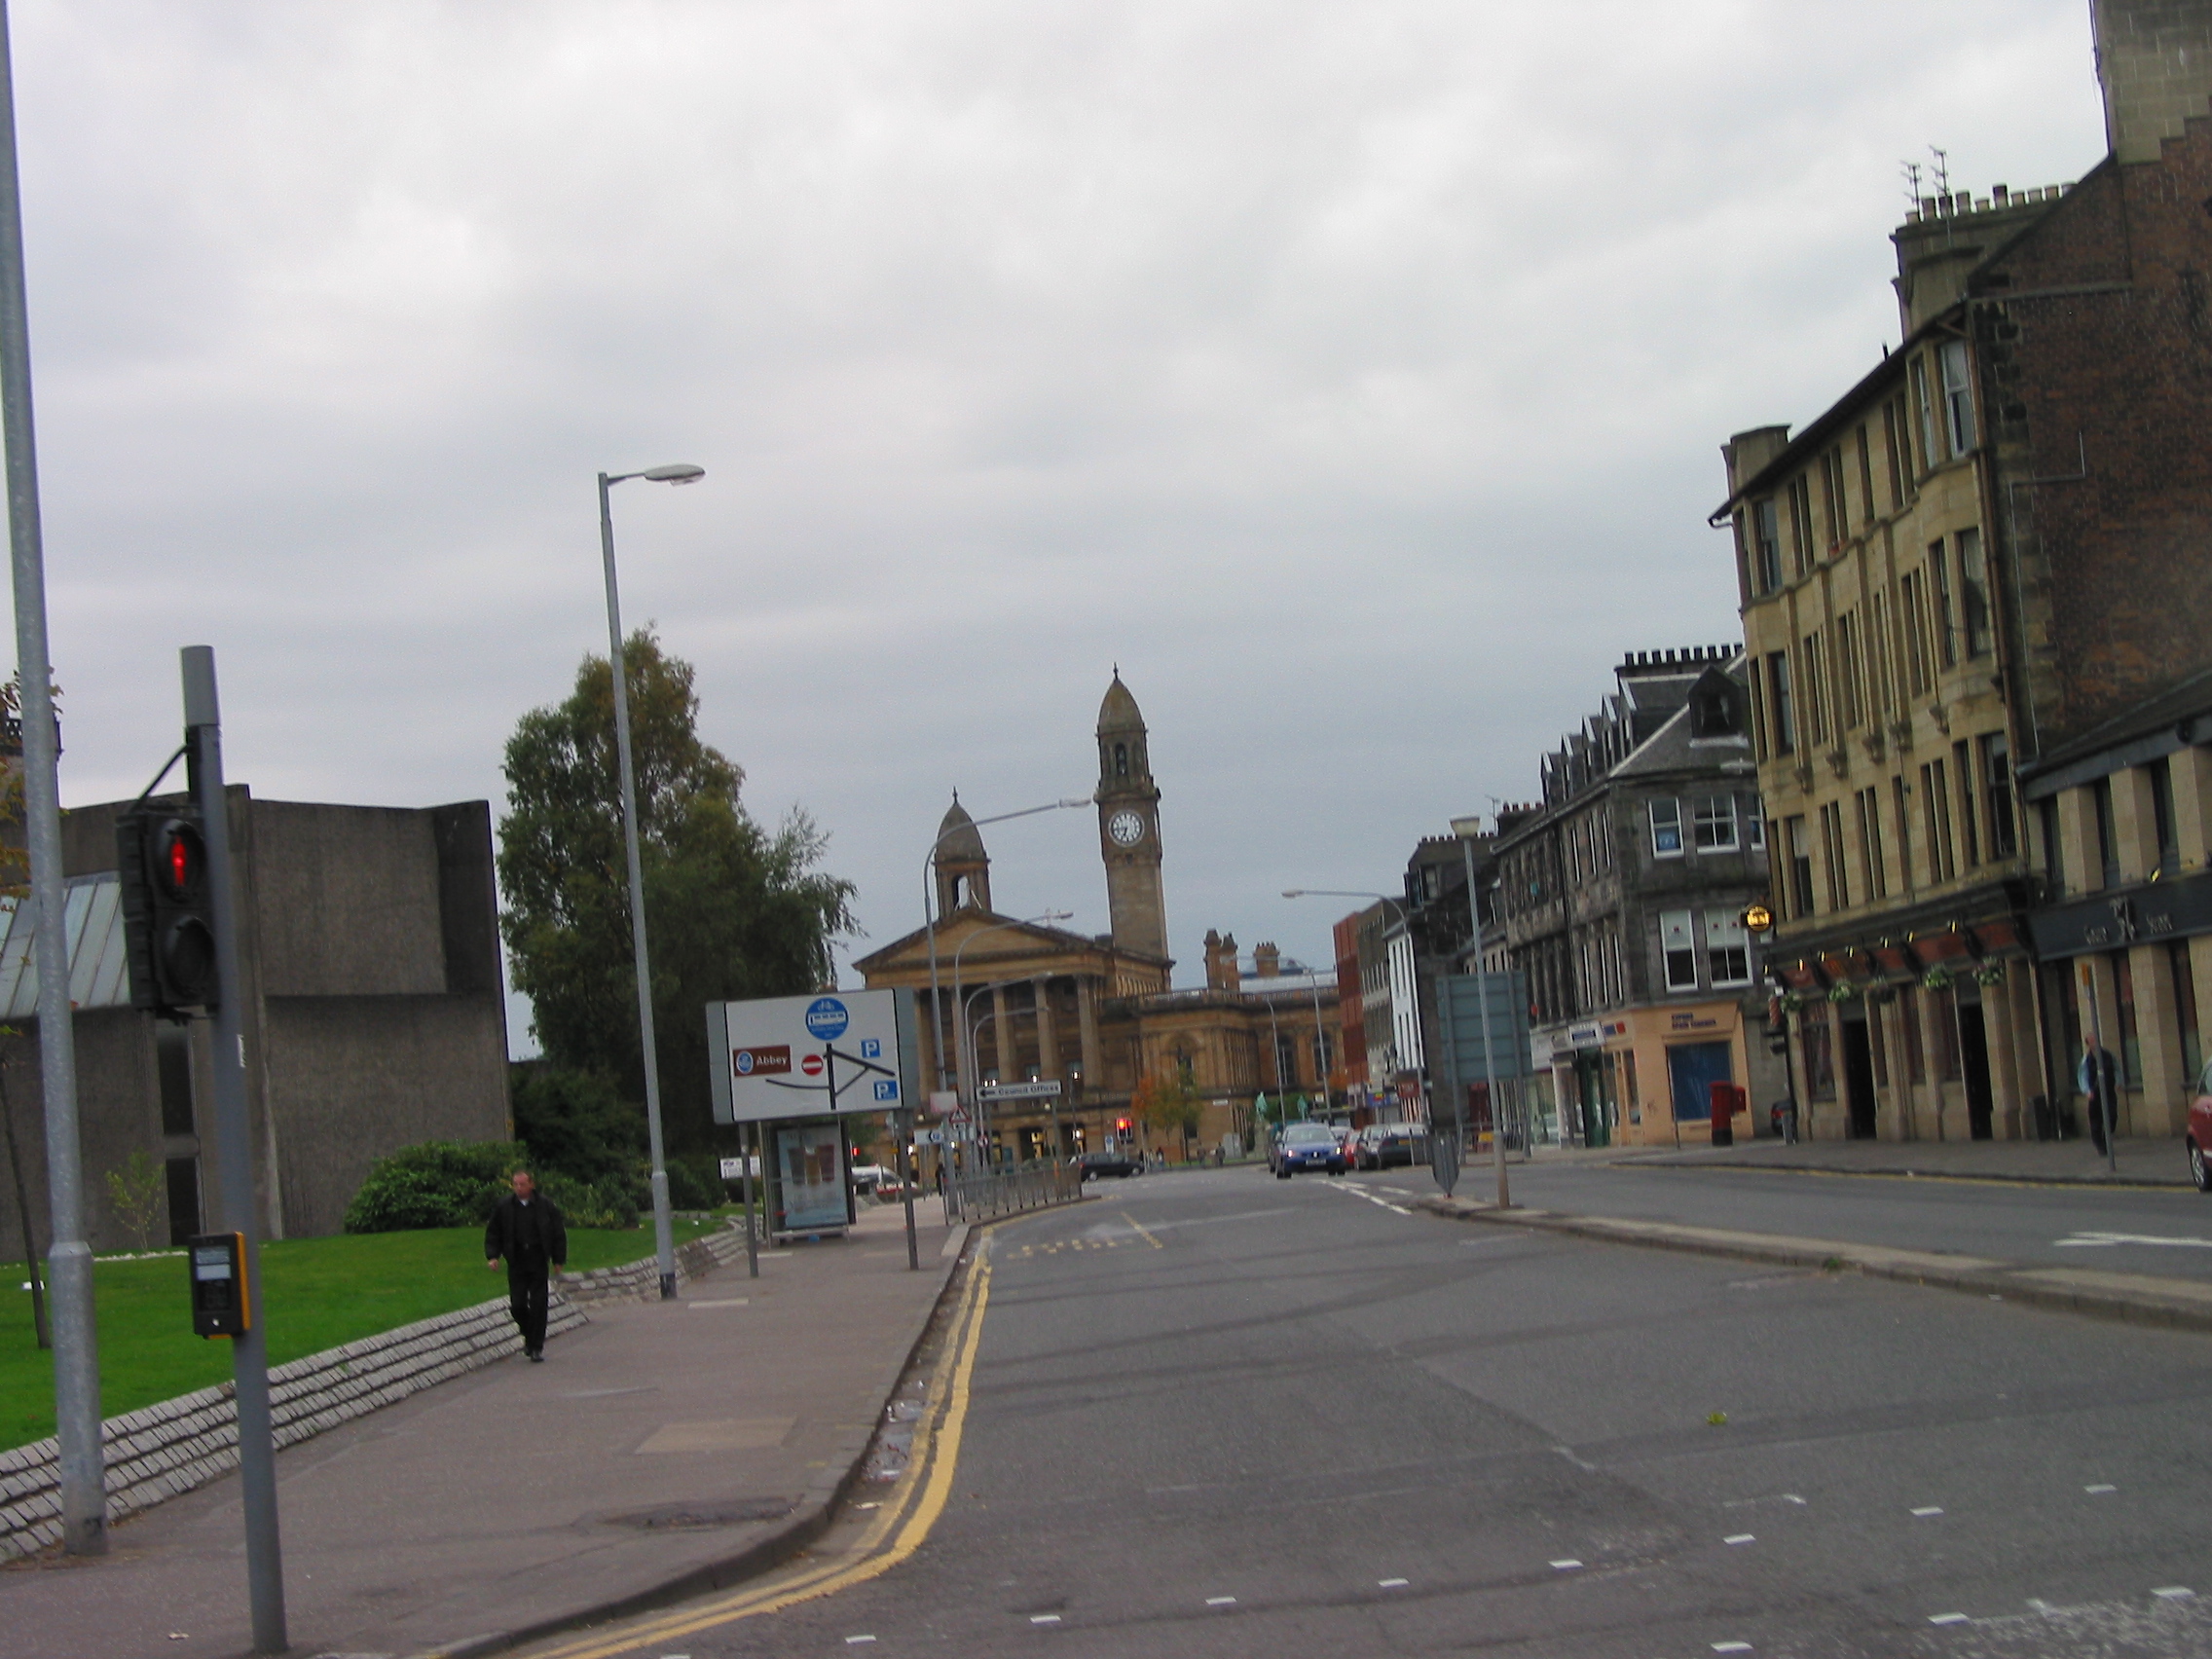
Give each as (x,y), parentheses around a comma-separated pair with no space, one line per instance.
(1129,827)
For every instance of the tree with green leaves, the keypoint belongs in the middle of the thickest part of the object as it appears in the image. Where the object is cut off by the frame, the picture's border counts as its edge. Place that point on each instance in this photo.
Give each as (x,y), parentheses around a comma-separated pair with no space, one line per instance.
(732,911)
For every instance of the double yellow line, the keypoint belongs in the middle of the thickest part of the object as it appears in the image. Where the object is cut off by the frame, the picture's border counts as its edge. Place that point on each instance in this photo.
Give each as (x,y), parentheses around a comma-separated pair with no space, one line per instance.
(894,1533)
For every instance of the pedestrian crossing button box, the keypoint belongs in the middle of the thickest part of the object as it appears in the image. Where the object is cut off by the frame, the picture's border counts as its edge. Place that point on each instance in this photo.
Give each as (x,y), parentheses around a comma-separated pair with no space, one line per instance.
(218,1284)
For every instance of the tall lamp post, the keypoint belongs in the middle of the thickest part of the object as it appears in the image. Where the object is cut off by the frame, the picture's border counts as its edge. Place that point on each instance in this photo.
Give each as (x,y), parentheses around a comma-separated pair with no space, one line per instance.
(664,1233)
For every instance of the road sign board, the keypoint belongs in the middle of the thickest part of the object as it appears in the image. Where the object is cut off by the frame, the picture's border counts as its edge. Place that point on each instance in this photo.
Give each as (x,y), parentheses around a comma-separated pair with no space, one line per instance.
(1047,1088)
(783,1057)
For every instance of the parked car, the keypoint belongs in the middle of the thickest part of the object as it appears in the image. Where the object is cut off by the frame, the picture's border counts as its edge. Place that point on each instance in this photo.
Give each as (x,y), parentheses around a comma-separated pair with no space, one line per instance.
(1307,1145)
(1121,1165)
(2199,1137)
(1383,1145)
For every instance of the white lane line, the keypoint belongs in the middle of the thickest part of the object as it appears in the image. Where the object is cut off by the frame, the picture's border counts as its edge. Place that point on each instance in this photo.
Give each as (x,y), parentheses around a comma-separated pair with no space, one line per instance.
(1400,1584)
(1731,1647)
(1044,1618)
(1925,1513)
(1371,1197)
(856,1641)
(1739,1539)
(1566,1565)
(2100,1489)
(2106,1240)
(724,1301)
(2174,1592)
(1948,1618)
(1221,1600)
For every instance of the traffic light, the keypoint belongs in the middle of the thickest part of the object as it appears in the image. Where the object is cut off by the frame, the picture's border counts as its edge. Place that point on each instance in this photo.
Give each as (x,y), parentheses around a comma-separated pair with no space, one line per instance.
(167,912)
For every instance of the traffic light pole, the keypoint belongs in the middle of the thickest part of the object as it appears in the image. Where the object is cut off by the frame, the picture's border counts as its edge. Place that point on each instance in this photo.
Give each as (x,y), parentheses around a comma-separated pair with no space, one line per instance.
(249,1352)
(69,1258)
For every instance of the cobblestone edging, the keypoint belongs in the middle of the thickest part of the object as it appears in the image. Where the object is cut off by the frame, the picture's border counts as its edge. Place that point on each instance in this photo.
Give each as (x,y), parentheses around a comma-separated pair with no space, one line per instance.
(168,1448)
(639,1280)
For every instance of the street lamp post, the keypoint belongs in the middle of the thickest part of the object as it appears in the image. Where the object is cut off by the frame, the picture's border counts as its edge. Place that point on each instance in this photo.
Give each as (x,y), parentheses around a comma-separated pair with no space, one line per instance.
(664,1236)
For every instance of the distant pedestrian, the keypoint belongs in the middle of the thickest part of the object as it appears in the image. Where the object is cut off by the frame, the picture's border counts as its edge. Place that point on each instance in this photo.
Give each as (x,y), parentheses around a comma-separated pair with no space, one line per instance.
(526,1230)
(2099,1082)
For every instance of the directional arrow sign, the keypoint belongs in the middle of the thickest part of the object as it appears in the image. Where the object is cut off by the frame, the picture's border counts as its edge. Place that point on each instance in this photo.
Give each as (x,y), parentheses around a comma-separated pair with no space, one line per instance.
(1047,1090)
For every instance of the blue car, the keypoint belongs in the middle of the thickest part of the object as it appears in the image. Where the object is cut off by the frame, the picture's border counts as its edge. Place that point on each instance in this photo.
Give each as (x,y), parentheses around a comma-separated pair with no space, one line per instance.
(1307,1145)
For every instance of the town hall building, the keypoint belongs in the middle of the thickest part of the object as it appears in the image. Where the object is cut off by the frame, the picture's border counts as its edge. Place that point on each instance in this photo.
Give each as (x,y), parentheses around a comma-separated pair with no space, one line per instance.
(1002,1000)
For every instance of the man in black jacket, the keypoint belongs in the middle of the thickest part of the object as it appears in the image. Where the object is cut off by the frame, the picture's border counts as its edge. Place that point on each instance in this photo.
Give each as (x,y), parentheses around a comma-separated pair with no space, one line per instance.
(525,1228)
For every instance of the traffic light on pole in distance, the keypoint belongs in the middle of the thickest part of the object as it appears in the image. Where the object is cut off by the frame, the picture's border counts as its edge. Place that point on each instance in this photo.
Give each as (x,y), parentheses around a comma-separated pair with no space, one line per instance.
(169,920)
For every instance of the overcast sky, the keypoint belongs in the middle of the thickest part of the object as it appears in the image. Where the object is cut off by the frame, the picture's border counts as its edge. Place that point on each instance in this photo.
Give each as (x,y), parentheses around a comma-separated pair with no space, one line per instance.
(1353,376)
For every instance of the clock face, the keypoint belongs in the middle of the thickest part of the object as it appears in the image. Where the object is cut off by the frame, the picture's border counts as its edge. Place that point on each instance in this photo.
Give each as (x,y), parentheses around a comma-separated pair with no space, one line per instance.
(1127,827)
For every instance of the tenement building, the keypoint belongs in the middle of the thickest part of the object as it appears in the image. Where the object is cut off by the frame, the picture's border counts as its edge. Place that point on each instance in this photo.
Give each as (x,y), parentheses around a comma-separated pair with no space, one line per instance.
(1621,896)
(1986,569)
(1007,1000)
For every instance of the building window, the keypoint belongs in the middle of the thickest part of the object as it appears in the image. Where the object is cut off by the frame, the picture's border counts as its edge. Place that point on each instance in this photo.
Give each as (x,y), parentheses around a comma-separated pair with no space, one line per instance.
(1893,451)
(1931,446)
(2163,815)
(2054,848)
(1679,949)
(1831,499)
(1778,695)
(1816,681)
(1903,818)
(1716,823)
(1667,827)
(1997,796)
(1832,856)
(1946,625)
(1759,829)
(1974,592)
(2108,838)
(1935,820)
(1766,548)
(1912,590)
(1727,949)
(1884,688)
(1873,879)
(1801,524)
(1853,705)
(1958,396)
(1121,759)
(1962,764)
(1865,479)
(1758,715)
(1800,853)
(2184,974)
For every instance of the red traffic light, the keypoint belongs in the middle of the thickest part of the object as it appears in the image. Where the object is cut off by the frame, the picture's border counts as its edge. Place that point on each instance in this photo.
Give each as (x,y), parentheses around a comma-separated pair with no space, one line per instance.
(180,860)
(1122,1124)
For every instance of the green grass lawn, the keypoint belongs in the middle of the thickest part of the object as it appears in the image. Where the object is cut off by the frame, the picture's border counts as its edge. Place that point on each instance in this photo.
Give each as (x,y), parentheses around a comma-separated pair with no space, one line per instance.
(318,1293)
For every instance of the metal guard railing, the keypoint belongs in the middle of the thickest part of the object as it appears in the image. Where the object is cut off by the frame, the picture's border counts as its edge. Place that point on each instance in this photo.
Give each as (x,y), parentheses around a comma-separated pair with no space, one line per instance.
(980,1195)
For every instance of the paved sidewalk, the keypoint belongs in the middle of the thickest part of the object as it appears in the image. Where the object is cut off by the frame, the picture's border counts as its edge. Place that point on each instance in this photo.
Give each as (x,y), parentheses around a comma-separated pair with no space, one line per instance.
(2160,1161)
(664,1447)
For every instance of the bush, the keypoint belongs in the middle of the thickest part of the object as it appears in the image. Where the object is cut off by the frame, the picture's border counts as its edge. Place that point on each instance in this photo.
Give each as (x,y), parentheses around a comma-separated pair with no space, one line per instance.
(590,1203)
(574,1125)
(435,1184)
(695,1183)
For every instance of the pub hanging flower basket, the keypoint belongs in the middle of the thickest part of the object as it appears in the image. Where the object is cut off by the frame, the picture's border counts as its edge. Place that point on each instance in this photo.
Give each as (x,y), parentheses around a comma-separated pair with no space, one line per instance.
(1989,974)
(1937,979)
(1843,991)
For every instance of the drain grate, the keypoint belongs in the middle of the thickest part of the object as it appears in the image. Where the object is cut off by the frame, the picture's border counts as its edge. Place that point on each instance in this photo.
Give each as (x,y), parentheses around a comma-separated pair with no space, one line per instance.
(697,1517)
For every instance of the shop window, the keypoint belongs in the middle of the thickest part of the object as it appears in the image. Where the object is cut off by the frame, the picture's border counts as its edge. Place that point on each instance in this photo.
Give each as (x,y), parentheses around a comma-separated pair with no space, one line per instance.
(2131,1044)
(1819,1057)
(2184,974)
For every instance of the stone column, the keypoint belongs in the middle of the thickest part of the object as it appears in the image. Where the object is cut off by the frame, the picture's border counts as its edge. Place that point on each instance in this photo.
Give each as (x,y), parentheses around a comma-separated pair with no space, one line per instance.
(1087,1032)
(1931,1024)
(1891,1121)
(2008,1109)
(2163,1108)
(1047,1036)
(1002,1035)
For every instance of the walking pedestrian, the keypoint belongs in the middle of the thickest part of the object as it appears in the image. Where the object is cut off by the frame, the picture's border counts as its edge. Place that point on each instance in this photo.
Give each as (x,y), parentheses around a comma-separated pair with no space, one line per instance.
(526,1230)
(2099,1082)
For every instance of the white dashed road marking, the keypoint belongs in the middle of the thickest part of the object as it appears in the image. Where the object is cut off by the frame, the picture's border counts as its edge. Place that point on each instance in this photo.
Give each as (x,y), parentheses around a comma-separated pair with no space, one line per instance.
(1948,1618)
(1566,1565)
(1925,1513)
(2105,1241)
(1400,1584)
(2100,1489)
(1739,1539)
(2174,1592)
(1044,1618)
(1731,1647)
(1221,1600)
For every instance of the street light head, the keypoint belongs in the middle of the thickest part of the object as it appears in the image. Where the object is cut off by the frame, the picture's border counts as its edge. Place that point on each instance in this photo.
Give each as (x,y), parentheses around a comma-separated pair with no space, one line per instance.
(1294,893)
(1076,800)
(679,472)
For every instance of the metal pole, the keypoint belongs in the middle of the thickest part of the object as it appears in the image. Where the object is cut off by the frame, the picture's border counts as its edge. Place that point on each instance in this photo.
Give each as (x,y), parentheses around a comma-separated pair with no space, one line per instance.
(749,1154)
(664,1233)
(234,1141)
(2105,1102)
(906,1130)
(69,1262)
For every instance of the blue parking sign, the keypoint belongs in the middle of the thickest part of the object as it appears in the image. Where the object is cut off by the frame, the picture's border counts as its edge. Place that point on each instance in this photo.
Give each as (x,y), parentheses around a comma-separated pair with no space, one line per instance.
(887,1088)
(870,1048)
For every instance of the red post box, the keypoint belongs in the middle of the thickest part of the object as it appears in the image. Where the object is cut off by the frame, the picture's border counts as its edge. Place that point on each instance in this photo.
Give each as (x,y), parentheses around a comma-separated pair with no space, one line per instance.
(1727,1101)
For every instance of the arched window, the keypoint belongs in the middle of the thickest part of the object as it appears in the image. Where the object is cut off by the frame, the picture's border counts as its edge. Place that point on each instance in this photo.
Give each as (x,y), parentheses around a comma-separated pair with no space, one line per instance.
(1121,759)
(959,892)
